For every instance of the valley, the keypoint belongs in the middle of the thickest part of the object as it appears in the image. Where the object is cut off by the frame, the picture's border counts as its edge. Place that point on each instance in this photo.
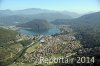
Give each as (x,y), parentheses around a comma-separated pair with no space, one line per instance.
(26,38)
(43,46)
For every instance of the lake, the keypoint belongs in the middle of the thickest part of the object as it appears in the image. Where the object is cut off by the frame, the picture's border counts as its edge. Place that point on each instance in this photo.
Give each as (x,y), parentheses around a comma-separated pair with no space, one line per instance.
(50,31)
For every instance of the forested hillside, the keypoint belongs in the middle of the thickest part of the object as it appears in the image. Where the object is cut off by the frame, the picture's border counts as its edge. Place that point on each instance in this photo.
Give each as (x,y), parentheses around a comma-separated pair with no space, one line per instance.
(6,36)
(87,28)
(36,24)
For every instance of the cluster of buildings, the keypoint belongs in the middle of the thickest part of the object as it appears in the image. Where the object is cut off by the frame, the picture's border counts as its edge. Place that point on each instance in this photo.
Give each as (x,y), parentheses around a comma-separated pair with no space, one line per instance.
(49,45)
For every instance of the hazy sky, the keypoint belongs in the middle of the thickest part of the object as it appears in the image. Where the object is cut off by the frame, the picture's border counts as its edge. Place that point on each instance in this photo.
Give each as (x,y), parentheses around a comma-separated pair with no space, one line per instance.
(80,6)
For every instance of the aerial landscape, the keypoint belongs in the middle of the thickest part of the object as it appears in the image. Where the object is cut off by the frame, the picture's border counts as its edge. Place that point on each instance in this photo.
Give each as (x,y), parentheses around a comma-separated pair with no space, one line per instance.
(49,33)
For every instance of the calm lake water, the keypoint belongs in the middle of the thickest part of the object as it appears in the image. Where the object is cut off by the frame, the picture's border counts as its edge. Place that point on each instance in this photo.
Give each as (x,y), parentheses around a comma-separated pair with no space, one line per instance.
(46,32)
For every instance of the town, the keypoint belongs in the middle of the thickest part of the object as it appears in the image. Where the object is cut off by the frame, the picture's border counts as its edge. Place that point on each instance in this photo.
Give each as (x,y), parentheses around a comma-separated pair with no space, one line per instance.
(46,46)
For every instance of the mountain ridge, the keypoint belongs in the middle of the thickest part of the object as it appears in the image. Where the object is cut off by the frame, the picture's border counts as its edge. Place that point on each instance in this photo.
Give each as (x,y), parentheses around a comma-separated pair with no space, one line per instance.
(26,15)
(88,18)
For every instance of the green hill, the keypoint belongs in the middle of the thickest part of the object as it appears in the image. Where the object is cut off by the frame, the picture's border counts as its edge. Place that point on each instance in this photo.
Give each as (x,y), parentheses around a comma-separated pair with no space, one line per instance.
(6,36)
(36,24)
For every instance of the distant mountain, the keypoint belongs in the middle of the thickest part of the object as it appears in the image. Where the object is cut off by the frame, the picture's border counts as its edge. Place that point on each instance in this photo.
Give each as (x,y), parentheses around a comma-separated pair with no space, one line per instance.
(12,20)
(32,11)
(29,11)
(36,24)
(60,21)
(88,19)
(93,18)
(10,17)
(72,14)
(7,12)
(50,16)
(1,14)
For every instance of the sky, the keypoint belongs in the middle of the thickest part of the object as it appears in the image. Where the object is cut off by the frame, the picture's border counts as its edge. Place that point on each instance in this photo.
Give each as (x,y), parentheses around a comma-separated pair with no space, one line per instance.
(79,6)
